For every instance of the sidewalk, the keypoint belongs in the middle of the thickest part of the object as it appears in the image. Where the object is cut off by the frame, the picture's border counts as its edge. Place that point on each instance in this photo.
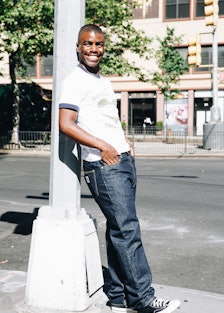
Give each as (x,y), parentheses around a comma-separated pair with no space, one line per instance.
(13,284)
(146,150)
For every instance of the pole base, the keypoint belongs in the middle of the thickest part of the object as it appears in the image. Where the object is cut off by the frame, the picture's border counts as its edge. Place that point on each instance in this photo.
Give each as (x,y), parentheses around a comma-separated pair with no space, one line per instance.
(64,271)
(213,135)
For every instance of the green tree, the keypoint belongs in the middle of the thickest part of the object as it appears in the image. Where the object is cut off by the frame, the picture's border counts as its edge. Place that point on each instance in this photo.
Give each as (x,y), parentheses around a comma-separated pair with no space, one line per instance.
(115,17)
(171,64)
(26,28)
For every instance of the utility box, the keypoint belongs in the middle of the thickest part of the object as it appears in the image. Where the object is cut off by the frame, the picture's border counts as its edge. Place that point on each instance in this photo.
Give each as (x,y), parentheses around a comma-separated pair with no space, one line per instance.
(213,135)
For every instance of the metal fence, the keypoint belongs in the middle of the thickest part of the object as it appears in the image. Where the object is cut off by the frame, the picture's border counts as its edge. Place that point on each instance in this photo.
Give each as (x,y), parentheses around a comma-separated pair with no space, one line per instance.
(150,142)
(26,140)
(165,142)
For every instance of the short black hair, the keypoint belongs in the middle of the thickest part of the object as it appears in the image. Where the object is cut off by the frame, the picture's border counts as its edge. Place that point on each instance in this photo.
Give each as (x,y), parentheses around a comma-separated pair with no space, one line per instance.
(90,28)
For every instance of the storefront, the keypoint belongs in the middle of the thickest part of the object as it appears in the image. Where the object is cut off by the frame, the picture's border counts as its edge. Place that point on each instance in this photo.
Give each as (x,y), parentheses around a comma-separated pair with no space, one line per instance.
(203,100)
(141,109)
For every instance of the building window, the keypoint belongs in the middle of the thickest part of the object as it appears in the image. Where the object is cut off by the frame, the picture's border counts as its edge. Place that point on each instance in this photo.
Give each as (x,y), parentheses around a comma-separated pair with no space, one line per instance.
(43,67)
(146,9)
(184,52)
(177,9)
(27,70)
(47,65)
(206,57)
(221,7)
(31,70)
(200,8)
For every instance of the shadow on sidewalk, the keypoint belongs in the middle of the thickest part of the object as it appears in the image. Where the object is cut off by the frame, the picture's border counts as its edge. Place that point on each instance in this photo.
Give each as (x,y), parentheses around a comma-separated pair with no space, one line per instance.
(24,221)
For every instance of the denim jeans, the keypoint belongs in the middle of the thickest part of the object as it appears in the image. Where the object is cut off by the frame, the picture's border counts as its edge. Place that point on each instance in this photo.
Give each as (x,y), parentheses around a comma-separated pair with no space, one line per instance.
(113,188)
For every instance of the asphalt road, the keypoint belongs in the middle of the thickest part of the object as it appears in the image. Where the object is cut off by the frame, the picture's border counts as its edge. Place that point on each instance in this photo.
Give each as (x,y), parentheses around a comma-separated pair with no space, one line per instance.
(180,205)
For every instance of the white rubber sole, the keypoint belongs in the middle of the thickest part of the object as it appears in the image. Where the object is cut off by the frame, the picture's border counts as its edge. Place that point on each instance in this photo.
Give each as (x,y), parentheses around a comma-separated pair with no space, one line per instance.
(173,305)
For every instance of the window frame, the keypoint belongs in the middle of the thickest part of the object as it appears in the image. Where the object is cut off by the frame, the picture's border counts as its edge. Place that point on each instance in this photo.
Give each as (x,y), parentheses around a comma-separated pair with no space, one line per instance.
(201,2)
(41,58)
(38,68)
(209,58)
(221,9)
(192,11)
(176,18)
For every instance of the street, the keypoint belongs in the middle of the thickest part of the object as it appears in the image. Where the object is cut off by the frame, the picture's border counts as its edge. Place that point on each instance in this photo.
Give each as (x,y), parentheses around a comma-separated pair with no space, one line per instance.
(179,204)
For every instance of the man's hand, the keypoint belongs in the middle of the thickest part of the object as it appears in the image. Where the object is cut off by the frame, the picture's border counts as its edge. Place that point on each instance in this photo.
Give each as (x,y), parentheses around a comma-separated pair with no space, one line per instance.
(70,128)
(109,154)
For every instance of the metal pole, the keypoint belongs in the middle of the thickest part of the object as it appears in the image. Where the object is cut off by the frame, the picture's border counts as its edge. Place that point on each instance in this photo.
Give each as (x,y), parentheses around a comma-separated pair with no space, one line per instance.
(215,67)
(64,271)
(215,110)
(213,132)
(64,196)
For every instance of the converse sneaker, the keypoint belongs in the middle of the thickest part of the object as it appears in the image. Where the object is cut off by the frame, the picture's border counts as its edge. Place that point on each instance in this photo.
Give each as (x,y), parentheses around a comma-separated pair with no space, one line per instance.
(160,305)
(120,308)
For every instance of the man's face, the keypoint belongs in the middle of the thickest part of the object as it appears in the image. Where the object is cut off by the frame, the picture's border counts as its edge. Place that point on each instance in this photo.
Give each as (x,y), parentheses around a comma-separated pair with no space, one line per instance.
(90,48)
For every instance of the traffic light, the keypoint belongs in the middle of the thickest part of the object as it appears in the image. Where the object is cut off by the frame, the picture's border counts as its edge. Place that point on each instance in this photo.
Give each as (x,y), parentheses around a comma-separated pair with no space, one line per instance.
(211,12)
(194,50)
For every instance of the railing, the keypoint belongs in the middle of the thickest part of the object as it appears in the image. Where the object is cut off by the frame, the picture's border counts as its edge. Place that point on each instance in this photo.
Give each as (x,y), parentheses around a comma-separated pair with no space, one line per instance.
(26,140)
(147,142)
(153,141)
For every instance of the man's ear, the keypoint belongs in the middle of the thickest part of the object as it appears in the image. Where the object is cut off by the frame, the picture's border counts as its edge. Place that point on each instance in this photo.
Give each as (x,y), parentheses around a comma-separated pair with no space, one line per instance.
(77,50)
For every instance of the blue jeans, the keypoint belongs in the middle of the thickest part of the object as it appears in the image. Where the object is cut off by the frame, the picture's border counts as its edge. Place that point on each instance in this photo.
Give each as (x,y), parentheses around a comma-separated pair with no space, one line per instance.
(113,188)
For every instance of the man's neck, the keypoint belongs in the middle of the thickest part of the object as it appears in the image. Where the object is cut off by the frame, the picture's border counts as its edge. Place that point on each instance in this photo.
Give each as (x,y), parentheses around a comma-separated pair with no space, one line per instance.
(91,70)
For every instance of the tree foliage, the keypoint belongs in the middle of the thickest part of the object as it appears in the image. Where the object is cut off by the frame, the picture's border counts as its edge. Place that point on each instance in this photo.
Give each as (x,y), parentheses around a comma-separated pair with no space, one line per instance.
(171,64)
(115,17)
(26,28)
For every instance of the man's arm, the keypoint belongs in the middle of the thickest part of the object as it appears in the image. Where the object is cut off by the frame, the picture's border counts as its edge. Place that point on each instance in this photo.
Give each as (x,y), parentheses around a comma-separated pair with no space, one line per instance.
(68,126)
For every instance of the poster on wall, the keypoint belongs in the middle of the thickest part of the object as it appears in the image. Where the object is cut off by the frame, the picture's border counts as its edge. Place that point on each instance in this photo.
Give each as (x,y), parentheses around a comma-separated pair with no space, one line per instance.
(176,114)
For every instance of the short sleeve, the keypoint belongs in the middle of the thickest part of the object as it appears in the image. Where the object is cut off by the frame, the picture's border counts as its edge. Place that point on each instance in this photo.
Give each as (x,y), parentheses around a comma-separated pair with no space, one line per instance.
(70,96)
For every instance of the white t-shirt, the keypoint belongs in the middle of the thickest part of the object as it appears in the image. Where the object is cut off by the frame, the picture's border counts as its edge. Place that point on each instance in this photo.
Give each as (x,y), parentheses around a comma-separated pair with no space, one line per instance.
(93,98)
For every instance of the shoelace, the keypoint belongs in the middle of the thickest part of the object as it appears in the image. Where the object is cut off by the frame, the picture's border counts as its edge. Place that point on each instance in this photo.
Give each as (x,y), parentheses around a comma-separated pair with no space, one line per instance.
(160,302)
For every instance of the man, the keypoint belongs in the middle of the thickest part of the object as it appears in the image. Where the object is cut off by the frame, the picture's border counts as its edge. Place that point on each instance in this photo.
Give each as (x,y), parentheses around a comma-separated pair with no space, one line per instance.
(89,115)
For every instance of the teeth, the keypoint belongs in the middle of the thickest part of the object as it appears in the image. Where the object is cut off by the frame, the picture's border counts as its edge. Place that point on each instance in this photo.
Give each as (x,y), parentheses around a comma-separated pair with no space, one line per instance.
(93,58)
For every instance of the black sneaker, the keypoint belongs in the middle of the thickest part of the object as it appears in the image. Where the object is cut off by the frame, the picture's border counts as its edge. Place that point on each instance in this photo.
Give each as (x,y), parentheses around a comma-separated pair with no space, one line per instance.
(120,308)
(160,305)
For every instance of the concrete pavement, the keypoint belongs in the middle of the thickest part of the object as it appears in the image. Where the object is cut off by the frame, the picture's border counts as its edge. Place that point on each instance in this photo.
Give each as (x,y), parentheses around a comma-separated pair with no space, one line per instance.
(13,284)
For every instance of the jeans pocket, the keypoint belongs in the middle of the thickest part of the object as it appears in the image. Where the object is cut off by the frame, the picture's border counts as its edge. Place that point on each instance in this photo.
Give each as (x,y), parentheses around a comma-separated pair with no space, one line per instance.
(90,178)
(104,165)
